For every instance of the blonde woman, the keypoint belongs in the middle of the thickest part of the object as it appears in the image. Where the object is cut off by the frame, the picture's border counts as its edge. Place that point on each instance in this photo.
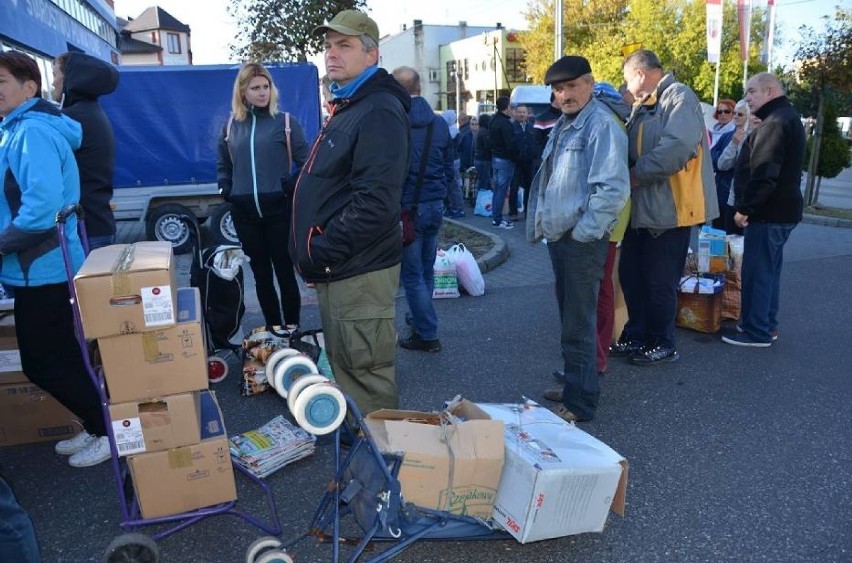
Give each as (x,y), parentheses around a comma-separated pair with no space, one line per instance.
(261,151)
(725,157)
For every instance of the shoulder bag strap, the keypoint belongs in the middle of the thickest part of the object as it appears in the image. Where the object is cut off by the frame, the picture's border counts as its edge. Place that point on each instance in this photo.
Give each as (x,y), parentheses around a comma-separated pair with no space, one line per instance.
(287,138)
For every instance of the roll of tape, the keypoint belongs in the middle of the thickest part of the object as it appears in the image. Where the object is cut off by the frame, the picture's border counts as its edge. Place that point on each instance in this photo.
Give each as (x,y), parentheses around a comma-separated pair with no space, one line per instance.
(320,408)
(275,360)
(299,385)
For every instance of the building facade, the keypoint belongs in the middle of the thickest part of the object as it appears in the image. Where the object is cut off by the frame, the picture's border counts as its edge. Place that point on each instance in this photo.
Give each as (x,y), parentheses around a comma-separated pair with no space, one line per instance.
(477,70)
(155,38)
(47,28)
(418,47)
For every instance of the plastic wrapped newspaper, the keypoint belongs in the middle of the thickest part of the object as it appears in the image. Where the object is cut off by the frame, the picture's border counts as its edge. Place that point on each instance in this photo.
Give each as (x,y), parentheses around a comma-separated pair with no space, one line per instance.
(272,446)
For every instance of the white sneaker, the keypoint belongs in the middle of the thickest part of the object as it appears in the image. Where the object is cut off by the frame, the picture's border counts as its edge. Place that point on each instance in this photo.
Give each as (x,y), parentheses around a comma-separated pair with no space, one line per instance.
(73,445)
(96,452)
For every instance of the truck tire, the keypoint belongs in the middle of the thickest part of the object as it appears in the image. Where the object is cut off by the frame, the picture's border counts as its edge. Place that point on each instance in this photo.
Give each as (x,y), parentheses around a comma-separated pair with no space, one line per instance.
(221,225)
(167,223)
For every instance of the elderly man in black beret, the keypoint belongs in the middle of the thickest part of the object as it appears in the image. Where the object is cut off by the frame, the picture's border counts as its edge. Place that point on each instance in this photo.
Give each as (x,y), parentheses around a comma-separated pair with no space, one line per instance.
(581,187)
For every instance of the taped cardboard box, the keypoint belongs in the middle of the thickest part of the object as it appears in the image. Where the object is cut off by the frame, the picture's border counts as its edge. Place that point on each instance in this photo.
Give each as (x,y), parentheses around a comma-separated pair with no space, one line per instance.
(557,479)
(28,414)
(156,424)
(477,450)
(183,479)
(127,288)
(159,362)
(189,477)
(10,357)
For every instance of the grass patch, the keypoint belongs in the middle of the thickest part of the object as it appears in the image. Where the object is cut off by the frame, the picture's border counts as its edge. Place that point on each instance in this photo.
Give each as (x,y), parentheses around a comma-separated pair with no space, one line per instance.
(834,212)
(451,234)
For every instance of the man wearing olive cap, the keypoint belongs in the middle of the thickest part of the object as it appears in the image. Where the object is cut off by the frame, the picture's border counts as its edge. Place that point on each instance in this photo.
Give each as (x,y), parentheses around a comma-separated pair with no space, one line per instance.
(345,236)
(581,187)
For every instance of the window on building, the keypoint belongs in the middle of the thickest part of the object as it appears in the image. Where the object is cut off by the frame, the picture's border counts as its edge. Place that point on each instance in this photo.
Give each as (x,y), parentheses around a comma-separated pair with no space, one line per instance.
(174,43)
(516,65)
(153,37)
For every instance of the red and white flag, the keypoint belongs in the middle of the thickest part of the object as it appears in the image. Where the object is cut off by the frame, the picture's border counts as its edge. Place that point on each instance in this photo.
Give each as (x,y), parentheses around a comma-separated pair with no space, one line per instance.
(744,16)
(769,34)
(714,30)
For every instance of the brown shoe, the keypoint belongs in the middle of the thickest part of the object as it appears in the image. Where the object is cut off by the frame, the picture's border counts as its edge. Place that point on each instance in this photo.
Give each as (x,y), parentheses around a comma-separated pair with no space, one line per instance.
(567,415)
(553,395)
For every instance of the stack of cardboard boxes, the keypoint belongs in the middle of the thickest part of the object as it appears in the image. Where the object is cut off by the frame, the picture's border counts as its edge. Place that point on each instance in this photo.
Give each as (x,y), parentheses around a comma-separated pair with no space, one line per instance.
(27,414)
(151,343)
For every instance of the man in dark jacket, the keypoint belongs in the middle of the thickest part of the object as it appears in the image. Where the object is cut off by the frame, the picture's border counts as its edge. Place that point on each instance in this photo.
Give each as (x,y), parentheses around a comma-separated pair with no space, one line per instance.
(430,174)
(768,206)
(524,161)
(544,122)
(346,237)
(504,150)
(78,81)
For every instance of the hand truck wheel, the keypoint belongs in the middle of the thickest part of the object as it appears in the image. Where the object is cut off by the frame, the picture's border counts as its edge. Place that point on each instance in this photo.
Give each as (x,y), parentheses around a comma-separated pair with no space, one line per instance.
(132,548)
(221,363)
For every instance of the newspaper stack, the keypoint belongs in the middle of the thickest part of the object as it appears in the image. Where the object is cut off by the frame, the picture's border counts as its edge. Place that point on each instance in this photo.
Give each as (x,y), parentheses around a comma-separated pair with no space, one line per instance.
(272,446)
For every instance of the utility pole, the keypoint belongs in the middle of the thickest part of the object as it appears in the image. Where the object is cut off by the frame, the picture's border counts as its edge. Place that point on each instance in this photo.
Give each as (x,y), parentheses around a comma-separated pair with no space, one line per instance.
(557,31)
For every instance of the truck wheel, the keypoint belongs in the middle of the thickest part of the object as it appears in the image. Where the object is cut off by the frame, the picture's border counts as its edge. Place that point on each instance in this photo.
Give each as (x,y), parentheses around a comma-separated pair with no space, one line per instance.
(221,225)
(167,223)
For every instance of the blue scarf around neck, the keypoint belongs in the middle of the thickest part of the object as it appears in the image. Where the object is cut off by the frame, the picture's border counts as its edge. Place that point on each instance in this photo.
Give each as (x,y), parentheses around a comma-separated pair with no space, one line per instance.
(338,91)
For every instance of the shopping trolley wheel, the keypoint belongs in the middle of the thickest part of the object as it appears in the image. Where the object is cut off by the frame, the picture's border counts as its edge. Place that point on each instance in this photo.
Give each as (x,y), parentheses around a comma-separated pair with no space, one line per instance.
(132,548)
(274,361)
(289,370)
(299,385)
(320,408)
(274,556)
(221,363)
(261,546)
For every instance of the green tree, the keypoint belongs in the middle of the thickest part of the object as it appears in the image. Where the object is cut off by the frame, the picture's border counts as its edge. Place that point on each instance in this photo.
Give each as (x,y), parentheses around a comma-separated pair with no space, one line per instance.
(280,30)
(824,62)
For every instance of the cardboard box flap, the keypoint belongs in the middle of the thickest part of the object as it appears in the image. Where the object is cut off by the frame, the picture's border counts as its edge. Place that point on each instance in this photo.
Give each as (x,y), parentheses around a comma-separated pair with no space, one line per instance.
(620,499)
(124,258)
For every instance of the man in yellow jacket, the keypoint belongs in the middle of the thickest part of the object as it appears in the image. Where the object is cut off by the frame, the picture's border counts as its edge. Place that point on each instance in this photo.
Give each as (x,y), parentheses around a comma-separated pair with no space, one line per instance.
(672,189)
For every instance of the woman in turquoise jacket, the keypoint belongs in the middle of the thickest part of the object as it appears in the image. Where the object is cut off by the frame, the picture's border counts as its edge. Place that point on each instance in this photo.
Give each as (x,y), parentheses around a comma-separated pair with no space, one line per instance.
(40,177)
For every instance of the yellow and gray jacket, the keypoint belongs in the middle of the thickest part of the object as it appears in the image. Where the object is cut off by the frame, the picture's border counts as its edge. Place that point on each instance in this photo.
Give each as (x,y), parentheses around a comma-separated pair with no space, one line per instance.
(670,157)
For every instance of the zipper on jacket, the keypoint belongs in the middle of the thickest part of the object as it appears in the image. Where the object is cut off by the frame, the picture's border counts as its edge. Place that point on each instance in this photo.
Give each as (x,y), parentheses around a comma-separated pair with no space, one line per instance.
(254,163)
(311,232)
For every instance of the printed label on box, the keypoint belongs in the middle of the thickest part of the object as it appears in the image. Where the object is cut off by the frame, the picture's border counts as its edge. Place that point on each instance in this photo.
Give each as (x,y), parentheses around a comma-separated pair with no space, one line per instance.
(128,436)
(157,306)
(10,360)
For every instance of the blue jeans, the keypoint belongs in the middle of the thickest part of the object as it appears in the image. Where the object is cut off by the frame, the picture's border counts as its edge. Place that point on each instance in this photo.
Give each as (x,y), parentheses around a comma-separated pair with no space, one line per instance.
(649,269)
(579,268)
(483,174)
(17,534)
(101,241)
(418,263)
(503,171)
(763,257)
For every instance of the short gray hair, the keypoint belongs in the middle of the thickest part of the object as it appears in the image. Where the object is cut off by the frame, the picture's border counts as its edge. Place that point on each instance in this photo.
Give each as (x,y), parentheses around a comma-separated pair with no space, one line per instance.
(368,43)
(643,59)
(409,78)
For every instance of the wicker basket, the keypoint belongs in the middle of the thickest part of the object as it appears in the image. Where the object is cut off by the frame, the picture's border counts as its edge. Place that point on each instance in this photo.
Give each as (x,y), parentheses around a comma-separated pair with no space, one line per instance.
(699,311)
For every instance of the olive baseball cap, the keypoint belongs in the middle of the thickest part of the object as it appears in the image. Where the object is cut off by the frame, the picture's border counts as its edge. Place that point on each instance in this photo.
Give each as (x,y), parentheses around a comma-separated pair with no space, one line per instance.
(351,22)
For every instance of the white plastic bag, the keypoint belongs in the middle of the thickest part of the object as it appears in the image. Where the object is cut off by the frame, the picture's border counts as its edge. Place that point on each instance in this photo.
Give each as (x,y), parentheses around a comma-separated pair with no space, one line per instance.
(467,270)
(446,279)
(483,203)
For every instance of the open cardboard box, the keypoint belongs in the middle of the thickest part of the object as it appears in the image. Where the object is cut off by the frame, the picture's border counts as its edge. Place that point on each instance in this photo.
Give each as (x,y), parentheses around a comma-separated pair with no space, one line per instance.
(557,480)
(476,443)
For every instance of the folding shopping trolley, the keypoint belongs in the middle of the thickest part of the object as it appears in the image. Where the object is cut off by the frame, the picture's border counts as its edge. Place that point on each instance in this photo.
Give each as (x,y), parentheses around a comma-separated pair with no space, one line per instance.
(366,486)
(137,545)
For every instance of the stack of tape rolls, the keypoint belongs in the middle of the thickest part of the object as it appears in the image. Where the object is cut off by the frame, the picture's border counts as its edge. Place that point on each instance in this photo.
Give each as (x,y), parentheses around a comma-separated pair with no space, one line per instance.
(317,404)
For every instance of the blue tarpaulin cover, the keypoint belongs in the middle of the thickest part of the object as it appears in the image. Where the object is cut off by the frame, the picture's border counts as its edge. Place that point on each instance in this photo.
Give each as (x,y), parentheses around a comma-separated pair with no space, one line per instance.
(167,119)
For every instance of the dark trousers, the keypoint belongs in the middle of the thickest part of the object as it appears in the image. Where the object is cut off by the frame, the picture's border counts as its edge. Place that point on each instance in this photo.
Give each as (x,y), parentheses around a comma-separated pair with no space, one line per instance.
(265,241)
(50,354)
(17,534)
(649,270)
(522,179)
(578,268)
(606,310)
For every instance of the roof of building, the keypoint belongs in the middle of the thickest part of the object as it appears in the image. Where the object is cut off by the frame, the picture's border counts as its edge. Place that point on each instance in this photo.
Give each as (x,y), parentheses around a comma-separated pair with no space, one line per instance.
(155,18)
(127,45)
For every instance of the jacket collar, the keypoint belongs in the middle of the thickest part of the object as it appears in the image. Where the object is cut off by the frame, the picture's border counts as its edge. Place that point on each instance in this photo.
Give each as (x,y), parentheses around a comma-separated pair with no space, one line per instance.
(771,105)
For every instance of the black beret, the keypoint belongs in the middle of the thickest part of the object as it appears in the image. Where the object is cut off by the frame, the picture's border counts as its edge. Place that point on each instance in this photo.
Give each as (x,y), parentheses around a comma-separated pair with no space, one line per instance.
(568,67)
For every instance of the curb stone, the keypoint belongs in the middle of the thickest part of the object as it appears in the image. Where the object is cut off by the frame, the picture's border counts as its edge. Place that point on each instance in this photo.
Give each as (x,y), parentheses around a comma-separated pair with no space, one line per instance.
(498,254)
(827,221)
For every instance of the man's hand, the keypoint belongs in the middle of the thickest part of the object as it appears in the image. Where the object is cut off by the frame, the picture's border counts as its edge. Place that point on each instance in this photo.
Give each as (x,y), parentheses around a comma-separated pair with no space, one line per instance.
(741,220)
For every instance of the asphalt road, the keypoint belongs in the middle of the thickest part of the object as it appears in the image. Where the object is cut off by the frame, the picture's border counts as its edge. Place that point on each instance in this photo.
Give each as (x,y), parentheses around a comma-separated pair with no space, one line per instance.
(735,454)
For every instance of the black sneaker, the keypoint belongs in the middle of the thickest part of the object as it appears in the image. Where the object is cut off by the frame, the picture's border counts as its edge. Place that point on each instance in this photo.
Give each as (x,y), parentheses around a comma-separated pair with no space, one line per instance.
(653,355)
(624,348)
(414,342)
